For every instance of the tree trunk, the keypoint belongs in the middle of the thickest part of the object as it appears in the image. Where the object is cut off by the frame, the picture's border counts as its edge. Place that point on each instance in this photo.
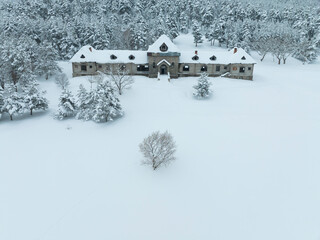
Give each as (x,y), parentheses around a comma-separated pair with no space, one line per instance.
(30,111)
(279,61)
(47,76)
(284,61)
(263,57)
(11,117)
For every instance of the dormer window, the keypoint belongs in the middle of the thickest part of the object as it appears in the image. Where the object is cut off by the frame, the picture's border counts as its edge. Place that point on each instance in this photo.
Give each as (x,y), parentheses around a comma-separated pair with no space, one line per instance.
(82,56)
(213,58)
(163,47)
(113,57)
(131,57)
(243,58)
(195,58)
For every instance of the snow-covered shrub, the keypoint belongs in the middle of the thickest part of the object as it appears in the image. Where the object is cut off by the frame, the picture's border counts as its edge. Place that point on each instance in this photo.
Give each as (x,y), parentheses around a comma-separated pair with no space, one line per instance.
(202,89)
(34,99)
(62,80)
(66,106)
(121,80)
(158,149)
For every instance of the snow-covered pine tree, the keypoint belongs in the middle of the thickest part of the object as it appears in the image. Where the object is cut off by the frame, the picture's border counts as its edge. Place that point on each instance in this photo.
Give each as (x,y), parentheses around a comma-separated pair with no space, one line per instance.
(13,103)
(1,101)
(46,64)
(306,51)
(84,103)
(196,32)
(203,87)
(34,98)
(106,103)
(66,106)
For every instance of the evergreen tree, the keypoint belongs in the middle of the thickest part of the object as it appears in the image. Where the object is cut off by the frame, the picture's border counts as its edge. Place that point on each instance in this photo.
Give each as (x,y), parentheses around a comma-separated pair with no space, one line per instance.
(1,101)
(13,103)
(34,98)
(203,87)
(196,32)
(106,103)
(67,106)
(84,103)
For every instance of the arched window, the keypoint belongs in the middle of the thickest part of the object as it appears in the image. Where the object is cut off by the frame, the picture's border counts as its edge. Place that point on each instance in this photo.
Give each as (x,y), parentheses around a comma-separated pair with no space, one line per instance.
(122,67)
(195,58)
(82,56)
(113,57)
(204,68)
(213,58)
(131,57)
(163,47)
(154,65)
(185,68)
(243,58)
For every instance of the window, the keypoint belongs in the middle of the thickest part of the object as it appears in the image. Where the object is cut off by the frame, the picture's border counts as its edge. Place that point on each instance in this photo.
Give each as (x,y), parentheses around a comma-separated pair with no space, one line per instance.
(122,67)
(154,65)
(225,67)
(185,68)
(213,58)
(113,57)
(218,68)
(131,57)
(195,58)
(203,68)
(82,56)
(172,64)
(249,68)
(83,68)
(243,58)
(100,66)
(242,69)
(90,66)
(234,68)
(142,68)
(163,47)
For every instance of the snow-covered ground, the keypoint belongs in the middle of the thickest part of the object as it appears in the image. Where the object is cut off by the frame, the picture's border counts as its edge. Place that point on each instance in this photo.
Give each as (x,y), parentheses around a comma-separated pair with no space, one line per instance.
(247,168)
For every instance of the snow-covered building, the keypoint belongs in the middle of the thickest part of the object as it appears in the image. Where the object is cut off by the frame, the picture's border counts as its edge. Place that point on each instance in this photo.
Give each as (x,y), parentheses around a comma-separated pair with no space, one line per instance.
(164,57)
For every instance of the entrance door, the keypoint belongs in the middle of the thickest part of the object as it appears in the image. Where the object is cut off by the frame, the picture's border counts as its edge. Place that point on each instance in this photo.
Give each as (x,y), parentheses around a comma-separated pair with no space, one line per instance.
(163,69)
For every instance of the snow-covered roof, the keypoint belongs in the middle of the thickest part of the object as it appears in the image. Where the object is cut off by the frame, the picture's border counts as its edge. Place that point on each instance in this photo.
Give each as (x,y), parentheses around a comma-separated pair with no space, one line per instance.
(216,56)
(164,61)
(163,39)
(89,54)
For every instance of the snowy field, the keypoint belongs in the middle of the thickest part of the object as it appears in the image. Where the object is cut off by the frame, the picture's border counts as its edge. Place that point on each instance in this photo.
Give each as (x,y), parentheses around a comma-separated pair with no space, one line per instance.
(247,168)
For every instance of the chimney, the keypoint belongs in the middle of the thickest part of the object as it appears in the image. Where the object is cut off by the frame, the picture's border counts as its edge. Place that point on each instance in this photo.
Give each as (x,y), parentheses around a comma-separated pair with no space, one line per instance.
(90,48)
(235,50)
(196,52)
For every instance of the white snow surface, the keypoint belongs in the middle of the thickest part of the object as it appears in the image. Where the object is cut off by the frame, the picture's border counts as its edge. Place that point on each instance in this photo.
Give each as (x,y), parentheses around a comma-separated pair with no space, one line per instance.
(163,39)
(247,165)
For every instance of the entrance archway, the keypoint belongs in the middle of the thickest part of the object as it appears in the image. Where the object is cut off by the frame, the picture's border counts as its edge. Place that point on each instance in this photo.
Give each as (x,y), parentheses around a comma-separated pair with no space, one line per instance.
(163,69)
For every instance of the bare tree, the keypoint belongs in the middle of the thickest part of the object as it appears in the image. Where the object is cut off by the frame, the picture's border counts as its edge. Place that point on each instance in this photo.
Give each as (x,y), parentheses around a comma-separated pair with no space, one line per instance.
(158,149)
(62,81)
(121,79)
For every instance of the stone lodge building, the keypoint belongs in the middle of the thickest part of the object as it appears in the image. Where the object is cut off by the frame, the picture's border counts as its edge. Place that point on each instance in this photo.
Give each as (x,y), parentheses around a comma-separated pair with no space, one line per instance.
(164,58)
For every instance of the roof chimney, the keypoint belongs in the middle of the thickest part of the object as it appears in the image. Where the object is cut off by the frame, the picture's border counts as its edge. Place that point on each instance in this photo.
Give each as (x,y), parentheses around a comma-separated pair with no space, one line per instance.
(235,50)
(196,52)
(90,48)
